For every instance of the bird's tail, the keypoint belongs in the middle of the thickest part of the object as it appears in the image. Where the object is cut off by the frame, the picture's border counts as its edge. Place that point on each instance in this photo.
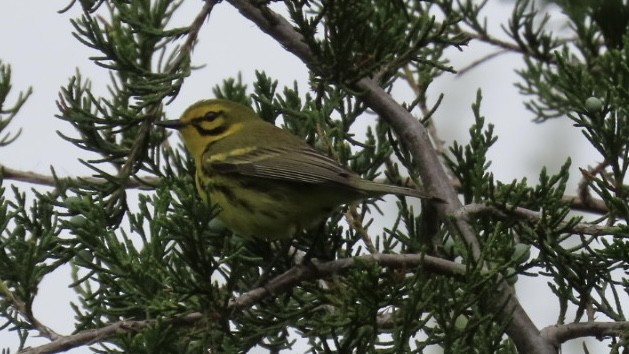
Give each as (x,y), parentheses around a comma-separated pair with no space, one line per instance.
(381,189)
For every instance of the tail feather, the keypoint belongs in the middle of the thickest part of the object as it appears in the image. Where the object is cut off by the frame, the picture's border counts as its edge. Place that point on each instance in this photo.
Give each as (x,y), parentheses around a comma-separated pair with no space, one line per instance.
(378,189)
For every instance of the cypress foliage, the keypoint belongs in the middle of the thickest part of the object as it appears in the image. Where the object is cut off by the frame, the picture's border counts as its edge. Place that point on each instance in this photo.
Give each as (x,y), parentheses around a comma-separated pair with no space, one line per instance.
(154,273)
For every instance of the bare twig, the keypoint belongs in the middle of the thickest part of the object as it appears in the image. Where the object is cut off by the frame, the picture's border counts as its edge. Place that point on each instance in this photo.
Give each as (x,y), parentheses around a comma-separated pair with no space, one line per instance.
(278,285)
(584,185)
(301,273)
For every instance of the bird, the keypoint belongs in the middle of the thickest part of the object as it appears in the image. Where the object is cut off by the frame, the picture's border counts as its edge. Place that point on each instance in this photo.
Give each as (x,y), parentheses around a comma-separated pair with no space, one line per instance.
(266,182)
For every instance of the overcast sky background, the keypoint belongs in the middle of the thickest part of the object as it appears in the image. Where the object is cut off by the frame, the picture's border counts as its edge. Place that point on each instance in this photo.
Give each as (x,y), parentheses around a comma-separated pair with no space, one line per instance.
(36,41)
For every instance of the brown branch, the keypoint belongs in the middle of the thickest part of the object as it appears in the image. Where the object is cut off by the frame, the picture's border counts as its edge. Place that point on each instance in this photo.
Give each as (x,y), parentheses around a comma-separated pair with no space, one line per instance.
(49,181)
(193,34)
(278,285)
(588,204)
(92,336)
(534,217)
(577,202)
(558,334)
(27,312)
(299,273)
(509,46)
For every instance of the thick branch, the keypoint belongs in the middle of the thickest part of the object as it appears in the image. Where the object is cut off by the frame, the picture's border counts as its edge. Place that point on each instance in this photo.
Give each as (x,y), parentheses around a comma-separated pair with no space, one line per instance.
(278,285)
(410,131)
(559,334)
(415,138)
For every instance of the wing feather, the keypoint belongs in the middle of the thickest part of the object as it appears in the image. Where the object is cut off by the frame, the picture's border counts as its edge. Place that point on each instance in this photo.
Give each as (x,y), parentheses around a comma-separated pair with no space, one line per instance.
(301,164)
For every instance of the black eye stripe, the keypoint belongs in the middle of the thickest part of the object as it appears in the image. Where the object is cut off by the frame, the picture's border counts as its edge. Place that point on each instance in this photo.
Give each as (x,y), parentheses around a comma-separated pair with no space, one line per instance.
(208,117)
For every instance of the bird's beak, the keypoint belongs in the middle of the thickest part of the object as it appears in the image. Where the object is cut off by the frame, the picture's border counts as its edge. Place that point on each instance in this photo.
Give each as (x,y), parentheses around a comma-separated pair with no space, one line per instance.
(171,124)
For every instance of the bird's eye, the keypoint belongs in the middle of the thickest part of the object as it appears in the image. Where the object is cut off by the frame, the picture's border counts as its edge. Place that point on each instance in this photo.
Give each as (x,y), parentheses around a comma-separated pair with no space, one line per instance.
(211,115)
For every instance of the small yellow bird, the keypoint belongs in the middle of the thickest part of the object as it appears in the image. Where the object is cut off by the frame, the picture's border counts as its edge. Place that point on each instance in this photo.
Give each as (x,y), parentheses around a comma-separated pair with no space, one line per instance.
(267,182)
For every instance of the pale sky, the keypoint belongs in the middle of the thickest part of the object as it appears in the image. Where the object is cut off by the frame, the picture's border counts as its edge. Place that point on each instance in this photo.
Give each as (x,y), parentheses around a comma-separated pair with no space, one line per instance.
(43,54)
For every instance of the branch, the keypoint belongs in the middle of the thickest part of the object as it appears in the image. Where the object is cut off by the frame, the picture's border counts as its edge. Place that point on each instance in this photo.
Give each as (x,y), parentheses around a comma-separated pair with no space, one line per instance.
(299,273)
(50,181)
(410,131)
(587,204)
(26,311)
(278,285)
(534,217)
(480,61)
(558,334)
(91,336)
(510,47)
(577,203)
(413,135)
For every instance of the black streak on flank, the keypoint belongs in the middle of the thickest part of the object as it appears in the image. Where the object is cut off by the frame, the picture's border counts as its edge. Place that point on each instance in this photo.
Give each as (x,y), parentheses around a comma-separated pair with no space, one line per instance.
(229,194)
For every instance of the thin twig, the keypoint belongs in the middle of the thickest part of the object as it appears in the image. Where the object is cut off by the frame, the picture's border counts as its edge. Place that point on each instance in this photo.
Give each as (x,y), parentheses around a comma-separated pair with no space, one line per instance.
(420,92)
(480,61)
(508,46)
(300,273)
(512,47)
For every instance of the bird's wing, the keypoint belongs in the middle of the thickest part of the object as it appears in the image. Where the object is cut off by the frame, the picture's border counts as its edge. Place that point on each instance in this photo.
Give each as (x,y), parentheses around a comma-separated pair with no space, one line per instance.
(300,164)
